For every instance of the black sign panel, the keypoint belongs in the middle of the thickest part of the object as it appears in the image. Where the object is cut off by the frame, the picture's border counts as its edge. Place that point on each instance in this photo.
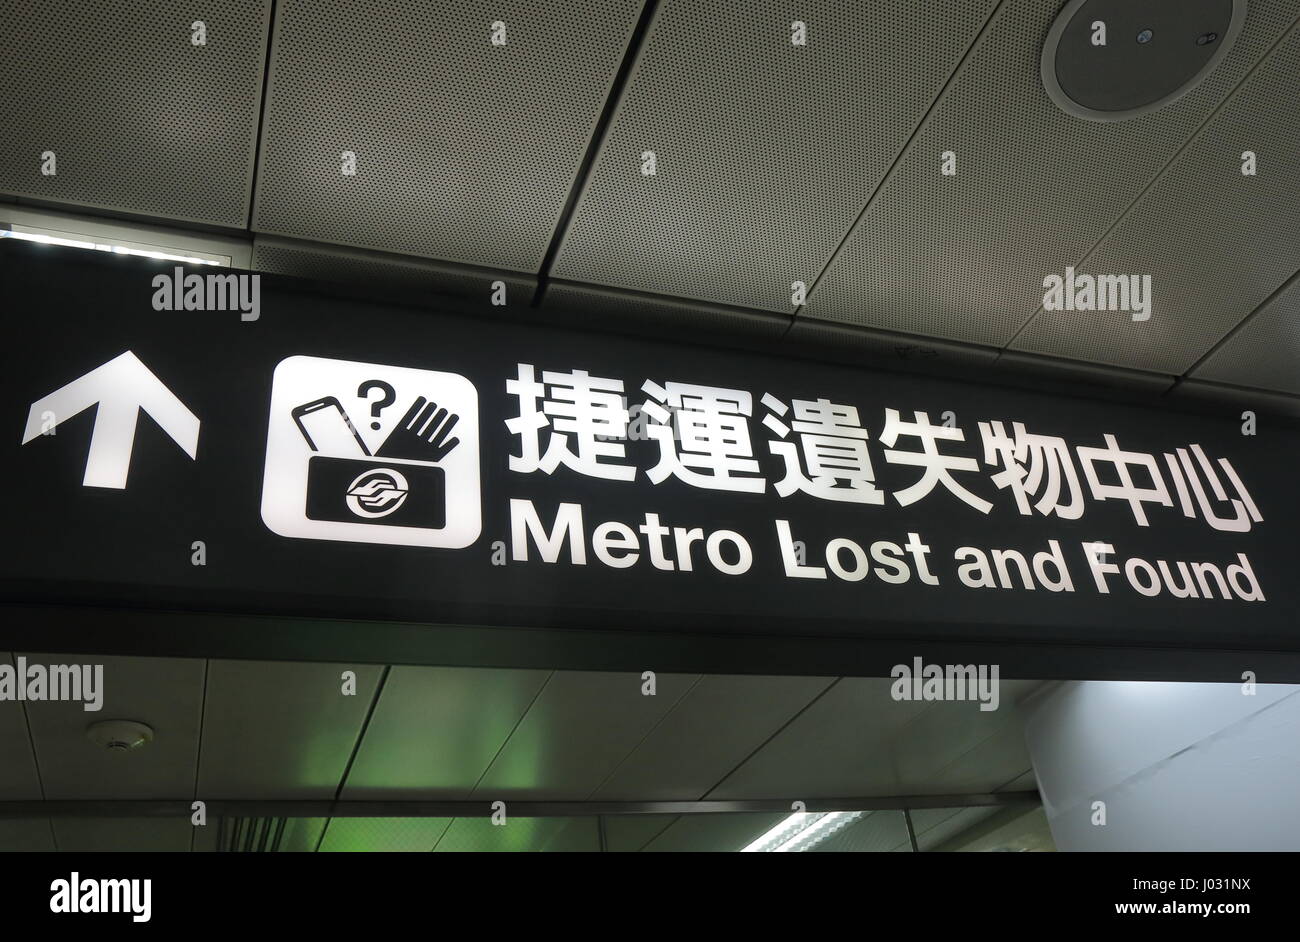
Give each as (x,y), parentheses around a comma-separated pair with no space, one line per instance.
(299,455)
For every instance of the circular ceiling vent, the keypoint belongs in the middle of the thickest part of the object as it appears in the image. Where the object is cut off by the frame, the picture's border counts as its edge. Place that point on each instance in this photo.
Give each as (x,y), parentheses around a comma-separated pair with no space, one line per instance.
(119,735)
(1107,60)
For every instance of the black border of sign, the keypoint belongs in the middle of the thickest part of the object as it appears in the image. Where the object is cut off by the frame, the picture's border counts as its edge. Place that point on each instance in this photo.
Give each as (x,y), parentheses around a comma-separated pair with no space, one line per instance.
(133,632)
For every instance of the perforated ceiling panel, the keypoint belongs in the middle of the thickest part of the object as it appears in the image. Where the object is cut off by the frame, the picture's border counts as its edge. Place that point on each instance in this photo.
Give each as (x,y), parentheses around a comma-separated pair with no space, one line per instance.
(1215,242)
(965,256)
(138,117)
(1265,351)
(765,151)
(464,150)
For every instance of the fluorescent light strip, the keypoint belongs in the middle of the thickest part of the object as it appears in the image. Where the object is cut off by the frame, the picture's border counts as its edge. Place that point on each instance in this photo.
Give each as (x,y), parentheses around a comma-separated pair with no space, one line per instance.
(103,247)
(801,831)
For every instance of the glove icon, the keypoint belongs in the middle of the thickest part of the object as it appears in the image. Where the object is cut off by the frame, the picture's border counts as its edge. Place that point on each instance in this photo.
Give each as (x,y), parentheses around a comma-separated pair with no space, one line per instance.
(423,434)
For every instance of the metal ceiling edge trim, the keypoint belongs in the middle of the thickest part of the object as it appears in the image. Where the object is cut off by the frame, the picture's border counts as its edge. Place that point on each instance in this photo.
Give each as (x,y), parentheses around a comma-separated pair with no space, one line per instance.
(667,302)
(1156,177)
(1141,380)
(240,810)
(430,264)
(1226,396)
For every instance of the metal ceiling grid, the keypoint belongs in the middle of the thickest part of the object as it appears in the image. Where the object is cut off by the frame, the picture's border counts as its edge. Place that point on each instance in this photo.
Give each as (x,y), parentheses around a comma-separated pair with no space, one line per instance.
(465,150)
(139,118)
(1265,350)
(765,150)
(964,256)
(1216,242)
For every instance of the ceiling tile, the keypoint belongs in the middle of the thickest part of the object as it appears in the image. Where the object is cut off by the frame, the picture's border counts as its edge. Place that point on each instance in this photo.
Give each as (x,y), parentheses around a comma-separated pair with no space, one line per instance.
(964,256)
(713,832)
(465,150)
(838,748)
(631,832)
(1265,351)
(766,151)
(1215,242)
(383,834)
(436,730)
(575,735)
(709,732)
(139,118)
(280,730)
(950,748)
(480,835)
(165,694)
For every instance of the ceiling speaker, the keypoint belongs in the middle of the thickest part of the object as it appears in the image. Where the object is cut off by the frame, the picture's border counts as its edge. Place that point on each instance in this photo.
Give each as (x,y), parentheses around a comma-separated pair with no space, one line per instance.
(1108,60)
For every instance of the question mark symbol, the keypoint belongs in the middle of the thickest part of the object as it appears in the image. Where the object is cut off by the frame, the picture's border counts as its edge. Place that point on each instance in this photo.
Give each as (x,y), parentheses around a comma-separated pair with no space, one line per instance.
(387,399)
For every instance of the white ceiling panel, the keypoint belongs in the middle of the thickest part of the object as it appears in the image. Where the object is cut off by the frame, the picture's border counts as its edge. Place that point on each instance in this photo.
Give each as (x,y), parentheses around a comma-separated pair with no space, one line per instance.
(18,778)
(712,832)
(165,694)
(837,748)
(280,730)
(964,256)
(139,118)
(766,151)
(465,150)
(856,740)
(407,835)
(480,835)
(710,731)
(577,732)
(435,731)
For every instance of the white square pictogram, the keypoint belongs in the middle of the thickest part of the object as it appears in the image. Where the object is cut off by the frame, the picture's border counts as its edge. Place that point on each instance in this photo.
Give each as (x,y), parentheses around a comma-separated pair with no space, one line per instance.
(366,453)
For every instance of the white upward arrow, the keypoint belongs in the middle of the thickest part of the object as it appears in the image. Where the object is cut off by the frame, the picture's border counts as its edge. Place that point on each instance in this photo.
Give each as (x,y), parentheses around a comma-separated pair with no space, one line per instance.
(120,388)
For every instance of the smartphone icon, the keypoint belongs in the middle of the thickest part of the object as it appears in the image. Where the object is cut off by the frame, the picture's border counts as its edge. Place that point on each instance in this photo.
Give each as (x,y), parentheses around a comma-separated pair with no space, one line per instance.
(328,429)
